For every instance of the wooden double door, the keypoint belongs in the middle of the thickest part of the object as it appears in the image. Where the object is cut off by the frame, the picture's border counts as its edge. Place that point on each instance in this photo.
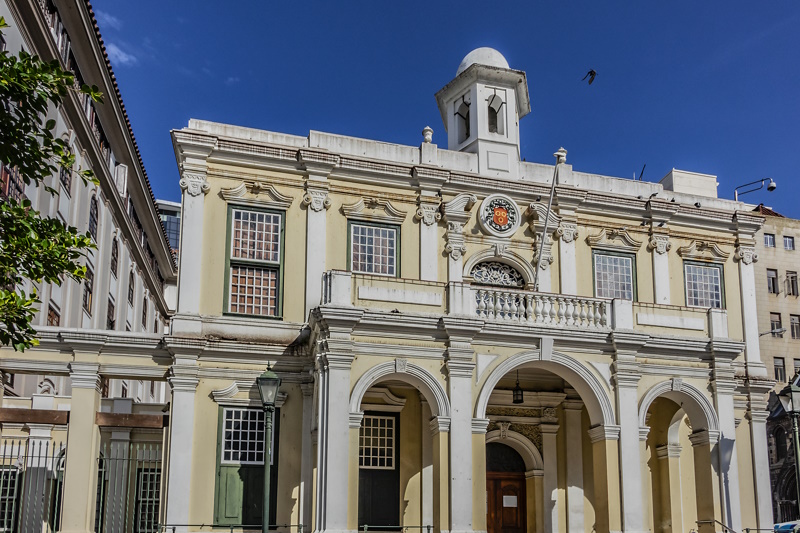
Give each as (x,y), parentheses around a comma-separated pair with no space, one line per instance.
(505,502)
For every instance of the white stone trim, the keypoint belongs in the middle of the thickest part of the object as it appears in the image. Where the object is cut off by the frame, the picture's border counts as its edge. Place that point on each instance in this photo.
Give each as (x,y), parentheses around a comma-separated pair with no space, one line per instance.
(607,239)
(414,375)
(699,408)
(668,321)
(702,250)
(501,254)
(404,296)
(373,210)
(273,198)
(227,396)
(579,376)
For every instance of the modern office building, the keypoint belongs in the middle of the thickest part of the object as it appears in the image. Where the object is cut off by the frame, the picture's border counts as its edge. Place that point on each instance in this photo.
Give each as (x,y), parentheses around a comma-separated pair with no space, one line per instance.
(170,215)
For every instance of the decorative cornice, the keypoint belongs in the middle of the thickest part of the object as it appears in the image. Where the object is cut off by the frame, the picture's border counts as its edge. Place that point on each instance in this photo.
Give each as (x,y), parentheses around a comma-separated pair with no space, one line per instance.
(702,250)
(374,209)
(659,243)
(194,183)
(272,197)
(614,238)
(458,209)
(746,254)
(538,212)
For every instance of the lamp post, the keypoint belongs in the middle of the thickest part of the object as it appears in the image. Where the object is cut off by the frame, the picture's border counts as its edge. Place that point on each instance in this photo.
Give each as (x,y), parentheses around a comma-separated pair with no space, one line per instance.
(771,186)
(268,385)
(790,399)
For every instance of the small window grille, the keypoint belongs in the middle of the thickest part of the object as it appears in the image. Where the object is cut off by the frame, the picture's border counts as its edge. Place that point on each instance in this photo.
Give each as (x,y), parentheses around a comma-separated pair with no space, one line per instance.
(144,313)
(88,291)
(93,217)
(9,497)
(65,176)
(148,498)
(377,442)
(243,438)
(131,281)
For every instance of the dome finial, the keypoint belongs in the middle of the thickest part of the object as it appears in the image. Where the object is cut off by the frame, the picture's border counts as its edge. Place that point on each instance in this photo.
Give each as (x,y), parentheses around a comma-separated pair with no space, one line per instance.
(482,56)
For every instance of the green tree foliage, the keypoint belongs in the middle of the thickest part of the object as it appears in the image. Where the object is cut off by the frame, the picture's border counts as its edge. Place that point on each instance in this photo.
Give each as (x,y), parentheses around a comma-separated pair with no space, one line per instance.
(32,247)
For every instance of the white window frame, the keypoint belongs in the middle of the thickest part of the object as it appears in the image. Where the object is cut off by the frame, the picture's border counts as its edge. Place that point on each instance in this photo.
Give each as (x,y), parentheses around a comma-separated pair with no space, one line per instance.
(786,240)
(391,458)
(396,244)
(715,266)
(769,240)
(223,429)
(630,258)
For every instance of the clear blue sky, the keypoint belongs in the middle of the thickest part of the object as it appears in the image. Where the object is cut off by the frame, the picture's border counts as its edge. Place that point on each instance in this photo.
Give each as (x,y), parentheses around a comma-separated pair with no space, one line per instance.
(711,87)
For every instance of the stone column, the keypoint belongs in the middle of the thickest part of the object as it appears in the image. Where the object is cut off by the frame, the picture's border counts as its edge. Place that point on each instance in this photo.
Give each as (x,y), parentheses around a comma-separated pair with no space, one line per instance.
(440,427)
(757,413)
(456,214)
(567,232)
(317,203)
(706,467)
(724,387)
(117,492)
(669,458)
(533,488)
(550,478)
(626,381)
(605,462)
(40,449)
(574,463)
(83,440)
(479,510)
(306,459)
(746,256)
(183,380)
(426,512)
(659,245)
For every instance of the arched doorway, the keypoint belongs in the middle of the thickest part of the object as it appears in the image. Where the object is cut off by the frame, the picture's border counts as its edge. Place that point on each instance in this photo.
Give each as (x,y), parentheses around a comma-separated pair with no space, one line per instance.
(505,490)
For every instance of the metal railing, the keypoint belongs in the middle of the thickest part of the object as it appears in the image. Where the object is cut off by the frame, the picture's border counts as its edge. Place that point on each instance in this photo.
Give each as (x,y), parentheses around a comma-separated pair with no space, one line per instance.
(715,521)
(366,528)
(31,484)
(172,528)
(128,488)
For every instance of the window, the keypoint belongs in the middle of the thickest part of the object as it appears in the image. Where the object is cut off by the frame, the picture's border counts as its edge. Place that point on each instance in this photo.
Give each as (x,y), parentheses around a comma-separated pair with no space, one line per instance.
(2,44)
(243,437)
(775,324)
(496,122)
(111,317)
(373,249)
(780,443)
(53,316)
(769,240)
(155,325)
(791,283)
(794,324)
(255,268)
(152,389)
(88,289)
(780,369)
(376,441)
(124,393)
(788,242)
(114,256)
(462,119)
(65,176)
(148,498)
(704,285)
(93,218)
(131,287)
(9,496)
(11,183)
(144,313)
(614,275)
(772,281)
(127,326)
(796,363)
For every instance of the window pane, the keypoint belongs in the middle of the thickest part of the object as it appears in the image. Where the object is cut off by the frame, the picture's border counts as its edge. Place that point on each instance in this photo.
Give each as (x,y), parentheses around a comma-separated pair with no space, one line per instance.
(769,240)
(780,369)
(775,324)
(243,436)
(376,443)
(373,250)
(255,236)
(795,323)
(703,286)
(788,243)
(613,276)
(253,291)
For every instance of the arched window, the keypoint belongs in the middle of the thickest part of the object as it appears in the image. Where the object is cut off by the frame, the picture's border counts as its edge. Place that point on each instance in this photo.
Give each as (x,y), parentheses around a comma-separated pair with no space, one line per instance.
(93,217)
(144,313)
(131,282)
(780,444)
(462,120)
(496,273)
(114,256)
(496,122)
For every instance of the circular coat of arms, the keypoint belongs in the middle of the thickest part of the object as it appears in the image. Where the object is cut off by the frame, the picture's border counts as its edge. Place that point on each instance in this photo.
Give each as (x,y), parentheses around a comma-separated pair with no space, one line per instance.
(499,215)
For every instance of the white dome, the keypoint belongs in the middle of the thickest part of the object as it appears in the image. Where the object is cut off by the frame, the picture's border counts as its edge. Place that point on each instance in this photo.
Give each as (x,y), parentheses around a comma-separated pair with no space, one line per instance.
(482,56)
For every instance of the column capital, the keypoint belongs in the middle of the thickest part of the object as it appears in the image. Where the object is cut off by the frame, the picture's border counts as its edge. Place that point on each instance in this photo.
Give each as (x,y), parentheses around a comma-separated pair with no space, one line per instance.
(668,451)
(85,375)
(479,425)
(440,424)
(194,183)
(745,254)
(317,162)
(572,405)
(704,437)
(316,199)
(428,214)
(598,433)
(659,243)
(355,419)
(567,231)
(626,374)
(549,429)
(460,368)
(644,431)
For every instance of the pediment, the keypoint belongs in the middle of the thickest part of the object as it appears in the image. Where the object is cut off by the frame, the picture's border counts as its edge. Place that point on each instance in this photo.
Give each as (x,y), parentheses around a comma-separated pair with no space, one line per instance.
(258,194)
(614,238)
(702,250)
(374,209)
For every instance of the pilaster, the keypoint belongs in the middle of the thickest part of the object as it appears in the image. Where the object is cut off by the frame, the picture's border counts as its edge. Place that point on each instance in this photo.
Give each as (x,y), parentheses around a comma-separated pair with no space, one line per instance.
(317,203)
(550,478)
(428,182)
(745,255)
(456,214)
(306,458)
(723,386)
(574,463)
(659,247)
(757,414)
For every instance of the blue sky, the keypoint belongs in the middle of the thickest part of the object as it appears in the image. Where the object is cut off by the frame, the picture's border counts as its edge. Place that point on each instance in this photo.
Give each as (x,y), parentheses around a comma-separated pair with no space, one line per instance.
(710,87)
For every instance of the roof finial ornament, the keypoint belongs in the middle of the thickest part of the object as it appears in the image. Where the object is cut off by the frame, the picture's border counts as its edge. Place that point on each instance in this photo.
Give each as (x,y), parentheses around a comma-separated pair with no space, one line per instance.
(427,134)
(561,155)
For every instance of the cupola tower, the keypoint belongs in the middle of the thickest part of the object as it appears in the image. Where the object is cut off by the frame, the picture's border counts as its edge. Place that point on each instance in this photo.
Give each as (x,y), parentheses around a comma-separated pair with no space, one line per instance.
(481,108)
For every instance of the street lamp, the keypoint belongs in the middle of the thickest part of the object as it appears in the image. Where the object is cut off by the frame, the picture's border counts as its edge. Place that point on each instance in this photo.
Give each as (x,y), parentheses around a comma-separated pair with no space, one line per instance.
(790,400)
(771,186)
(779,331)
(268,385)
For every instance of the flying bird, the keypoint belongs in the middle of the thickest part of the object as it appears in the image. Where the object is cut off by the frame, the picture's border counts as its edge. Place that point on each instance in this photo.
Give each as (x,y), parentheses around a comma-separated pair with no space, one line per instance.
(591,74)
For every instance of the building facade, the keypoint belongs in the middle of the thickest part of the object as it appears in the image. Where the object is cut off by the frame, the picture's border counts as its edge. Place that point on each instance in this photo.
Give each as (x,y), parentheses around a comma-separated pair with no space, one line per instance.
(453,354)
(121,309)
(779,324)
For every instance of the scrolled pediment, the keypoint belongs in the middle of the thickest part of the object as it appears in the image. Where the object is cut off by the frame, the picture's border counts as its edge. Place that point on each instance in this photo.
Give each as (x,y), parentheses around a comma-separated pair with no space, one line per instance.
(614,238)
(374,209)
(256,193)
(702,250)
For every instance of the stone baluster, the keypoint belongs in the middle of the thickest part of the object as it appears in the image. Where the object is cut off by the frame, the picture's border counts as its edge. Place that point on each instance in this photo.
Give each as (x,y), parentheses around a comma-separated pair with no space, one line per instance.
(569,311)
(561,311)
(537,309)
(529,308)
(482,303)
(552,311)
(498,305)
(584,314)
(513,307)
